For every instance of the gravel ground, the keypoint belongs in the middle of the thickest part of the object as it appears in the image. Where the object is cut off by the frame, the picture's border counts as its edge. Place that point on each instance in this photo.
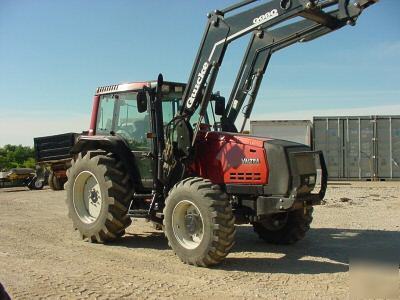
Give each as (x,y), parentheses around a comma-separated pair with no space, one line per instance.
(42,257)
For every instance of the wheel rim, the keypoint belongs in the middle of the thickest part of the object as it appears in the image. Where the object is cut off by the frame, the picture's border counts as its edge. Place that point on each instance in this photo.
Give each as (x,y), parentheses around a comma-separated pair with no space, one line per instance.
(38,184)
(187,224)
(87,197)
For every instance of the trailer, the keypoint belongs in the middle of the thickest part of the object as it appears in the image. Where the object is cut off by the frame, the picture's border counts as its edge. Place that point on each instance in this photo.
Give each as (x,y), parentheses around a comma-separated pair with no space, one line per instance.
(21,177)
(53,153)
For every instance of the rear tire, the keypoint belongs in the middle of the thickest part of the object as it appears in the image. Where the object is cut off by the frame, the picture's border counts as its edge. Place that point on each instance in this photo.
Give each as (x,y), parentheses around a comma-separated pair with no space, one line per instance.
(198,222)
(98,195)
(297,223)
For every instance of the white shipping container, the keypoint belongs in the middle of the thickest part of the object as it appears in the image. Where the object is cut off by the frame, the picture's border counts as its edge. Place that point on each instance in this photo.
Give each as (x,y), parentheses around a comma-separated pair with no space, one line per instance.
(298,131)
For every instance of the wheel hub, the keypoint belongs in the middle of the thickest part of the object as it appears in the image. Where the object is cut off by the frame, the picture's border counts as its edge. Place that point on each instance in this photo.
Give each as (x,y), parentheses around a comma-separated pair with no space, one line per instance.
(94,196)
(192,223)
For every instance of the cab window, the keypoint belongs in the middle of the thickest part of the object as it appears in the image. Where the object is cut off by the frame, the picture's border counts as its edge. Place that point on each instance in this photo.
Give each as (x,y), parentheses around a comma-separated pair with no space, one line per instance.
(132,125)
(105,115)
(118,113)
(169,110)
(196,115)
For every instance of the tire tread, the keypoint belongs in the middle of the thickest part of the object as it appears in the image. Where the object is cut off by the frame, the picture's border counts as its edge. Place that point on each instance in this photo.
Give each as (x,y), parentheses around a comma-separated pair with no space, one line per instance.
(117,196)
(222,221)
(296,228)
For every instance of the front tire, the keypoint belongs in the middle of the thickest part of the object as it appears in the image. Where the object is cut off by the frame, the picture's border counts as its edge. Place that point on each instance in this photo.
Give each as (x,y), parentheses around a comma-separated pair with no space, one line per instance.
(285,228)
(198,222)
(98,195)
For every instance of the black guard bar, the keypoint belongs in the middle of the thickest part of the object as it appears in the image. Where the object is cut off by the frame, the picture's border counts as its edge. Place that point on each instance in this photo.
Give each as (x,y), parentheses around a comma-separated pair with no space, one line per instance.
(274,204)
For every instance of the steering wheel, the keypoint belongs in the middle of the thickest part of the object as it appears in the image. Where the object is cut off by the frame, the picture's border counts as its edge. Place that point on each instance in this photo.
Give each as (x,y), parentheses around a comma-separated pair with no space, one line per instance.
(124,133)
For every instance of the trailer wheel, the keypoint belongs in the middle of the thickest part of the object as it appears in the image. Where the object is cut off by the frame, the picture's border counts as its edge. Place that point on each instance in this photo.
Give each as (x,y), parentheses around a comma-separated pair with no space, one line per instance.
(98,194)
(285,228)
(50,181)
(198,222)
(58,183)
(36,184)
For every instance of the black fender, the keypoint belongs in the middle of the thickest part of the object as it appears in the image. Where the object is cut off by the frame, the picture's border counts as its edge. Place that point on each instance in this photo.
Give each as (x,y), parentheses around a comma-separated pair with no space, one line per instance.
(112,144)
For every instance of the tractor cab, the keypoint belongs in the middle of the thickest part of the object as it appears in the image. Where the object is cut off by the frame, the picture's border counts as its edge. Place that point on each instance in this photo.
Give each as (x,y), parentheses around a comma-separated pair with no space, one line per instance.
(122,110)
(116,111)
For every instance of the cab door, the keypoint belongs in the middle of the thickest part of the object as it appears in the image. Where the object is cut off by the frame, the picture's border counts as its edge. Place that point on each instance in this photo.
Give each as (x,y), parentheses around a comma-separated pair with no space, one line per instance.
(118,113)
(133,127)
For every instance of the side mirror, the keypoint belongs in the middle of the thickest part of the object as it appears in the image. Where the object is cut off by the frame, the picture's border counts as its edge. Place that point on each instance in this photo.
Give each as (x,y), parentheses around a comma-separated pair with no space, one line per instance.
(219,105)
(141,101)
(160,80)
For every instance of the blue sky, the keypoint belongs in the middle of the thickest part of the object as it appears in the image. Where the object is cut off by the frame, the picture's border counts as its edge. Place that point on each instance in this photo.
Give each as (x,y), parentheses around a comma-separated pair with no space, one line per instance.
(53,54)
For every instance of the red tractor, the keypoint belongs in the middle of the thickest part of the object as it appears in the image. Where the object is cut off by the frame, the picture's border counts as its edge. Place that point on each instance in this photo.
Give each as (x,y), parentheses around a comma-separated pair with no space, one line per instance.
(172,153)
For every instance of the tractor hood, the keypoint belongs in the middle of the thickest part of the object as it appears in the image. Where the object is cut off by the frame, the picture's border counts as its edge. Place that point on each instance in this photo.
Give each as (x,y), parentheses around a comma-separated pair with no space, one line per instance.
(239,138)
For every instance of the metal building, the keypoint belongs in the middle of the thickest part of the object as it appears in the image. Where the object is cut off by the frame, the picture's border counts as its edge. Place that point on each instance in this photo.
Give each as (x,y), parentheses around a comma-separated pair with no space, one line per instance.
(298,131)
(366,147)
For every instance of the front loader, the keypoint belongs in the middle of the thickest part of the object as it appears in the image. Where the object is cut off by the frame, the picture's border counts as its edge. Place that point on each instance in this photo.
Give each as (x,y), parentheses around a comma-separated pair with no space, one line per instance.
(172,153)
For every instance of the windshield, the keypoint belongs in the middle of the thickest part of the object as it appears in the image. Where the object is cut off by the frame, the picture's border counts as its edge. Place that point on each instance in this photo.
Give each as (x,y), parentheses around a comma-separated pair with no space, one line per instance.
(118,113)
(209,118)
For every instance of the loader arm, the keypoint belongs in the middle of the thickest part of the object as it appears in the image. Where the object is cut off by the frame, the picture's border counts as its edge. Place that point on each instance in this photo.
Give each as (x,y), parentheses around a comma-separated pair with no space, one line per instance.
(223,28)
(259,51)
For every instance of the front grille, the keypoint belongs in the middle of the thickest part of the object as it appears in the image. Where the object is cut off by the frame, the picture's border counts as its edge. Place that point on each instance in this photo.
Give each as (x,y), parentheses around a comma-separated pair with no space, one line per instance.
(244,176)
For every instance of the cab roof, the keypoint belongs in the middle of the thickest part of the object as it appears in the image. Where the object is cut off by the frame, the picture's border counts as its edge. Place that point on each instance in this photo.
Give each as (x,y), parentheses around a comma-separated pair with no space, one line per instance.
(131,86)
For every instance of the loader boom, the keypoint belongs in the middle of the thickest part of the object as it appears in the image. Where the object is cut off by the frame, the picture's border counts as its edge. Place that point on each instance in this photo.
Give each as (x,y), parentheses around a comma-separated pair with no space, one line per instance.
(259,51)
(221,30)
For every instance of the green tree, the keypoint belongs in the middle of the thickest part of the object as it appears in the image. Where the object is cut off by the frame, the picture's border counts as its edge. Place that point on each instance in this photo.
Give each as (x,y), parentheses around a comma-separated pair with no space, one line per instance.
(13,156)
